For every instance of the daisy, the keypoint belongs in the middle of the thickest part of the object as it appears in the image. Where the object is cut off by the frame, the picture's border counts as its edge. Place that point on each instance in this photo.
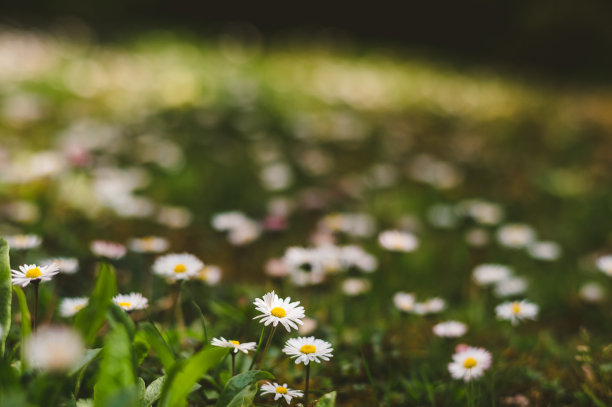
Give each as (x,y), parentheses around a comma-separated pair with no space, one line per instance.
(516,311)
(511,286)
(450,329)
(274,310)
(67,265)
(110,250)
(308,349)
(404,301)
(210,274)
(592,292)
(604,263)
(178,266)
(353,256)
(70,306)
(545,251)
(487,274)
(355,286)
(33,273)
(23,242)
(237,346)
(131,301)
(149,244)
(516,235)
(398,241)
(431,306)
(280,391)
(469,364)
(54,349)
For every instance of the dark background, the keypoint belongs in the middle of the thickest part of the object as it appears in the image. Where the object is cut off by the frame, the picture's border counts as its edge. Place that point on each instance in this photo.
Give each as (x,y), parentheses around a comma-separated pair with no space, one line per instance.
(557,39)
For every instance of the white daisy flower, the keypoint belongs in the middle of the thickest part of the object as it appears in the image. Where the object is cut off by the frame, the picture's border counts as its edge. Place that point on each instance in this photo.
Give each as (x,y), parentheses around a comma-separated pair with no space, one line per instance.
(483,212)
(70,306)
(510,286)
(110,250)
(304,266)
(131,301)
(31,272)
(149,244)
(487,274)
(546,251)
(469,364)
(226,221)
(308,349)
(23,242)
(450,329)
(355,256)
(280,391)
(404,301)
(355,286)
(67,265)
(592,292)
(237,346)
(178,266)
(516,235)
(308,326)
(398,241)
(515,311)
(431,306)
(604,263)
(54,349)
(477,237)
(274,310)
(210,274)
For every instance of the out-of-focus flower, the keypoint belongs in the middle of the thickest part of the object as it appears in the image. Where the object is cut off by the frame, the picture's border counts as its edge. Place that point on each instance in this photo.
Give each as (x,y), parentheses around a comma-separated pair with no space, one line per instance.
(131,301)
(176,217)
(439,174)
(22,211)
(353,224)
(280,391)
(442,216)
(355,286)
(28,273)
(604,263)
(235,345)
(210,274)
(305,267)
(477,237)
(149,244)
(546,251)
(516,235)
(516,311)
(54,349)
(70,306)
(398,241)
(274,310)
(175,266)
(470,363)
(431,306)
(510,286)
(483,212)
(308,349)
(66,265)
(308,326)
(404,301)
(592,292)
(276,268)
(487,274)
(276,176)
(110,250)
(241,229)
(23,242)
(354,256)
(450,329)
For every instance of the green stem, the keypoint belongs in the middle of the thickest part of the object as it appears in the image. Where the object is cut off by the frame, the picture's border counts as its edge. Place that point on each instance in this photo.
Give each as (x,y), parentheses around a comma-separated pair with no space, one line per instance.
(306,388)
(263,329)
(36,284)
(233,363)
(265,352)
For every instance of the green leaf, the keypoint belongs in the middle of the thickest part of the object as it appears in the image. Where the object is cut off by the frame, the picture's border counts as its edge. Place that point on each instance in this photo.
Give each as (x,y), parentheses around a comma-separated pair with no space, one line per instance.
(5,293)
(328,400)
(26,321)
(90,356)
(117,315)
(245,397)
(116,376)
(185,374)
(236,386)
(153,392)
(159,345)
(141,349)
(91,318)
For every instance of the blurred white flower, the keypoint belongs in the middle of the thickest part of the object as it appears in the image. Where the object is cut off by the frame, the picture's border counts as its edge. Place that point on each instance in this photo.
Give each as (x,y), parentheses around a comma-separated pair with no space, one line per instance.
(23,242)
(477,237)
(176,217)
(355,286)
(70,306)
(149,244)
(450,329)
(110,250)
(516,311)
(54,349)
(404,301)
(308,326)
(241,229)
(396,240)
(210,274)
(430,306)
(176,266)
(516,235)
(546,251)
(276,176)
(235,345)
(510,286)
(483,212)
(442,216)
(469,364)
(487,274)
(66,265)
(592,292)
(355,256)
(604,263)
(131,301)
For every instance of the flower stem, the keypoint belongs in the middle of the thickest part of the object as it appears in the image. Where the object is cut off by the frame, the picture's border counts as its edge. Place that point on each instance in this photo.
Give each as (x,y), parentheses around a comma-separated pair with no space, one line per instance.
(306,388)
(263,355)
(36,284)
(233,363)
(263,329)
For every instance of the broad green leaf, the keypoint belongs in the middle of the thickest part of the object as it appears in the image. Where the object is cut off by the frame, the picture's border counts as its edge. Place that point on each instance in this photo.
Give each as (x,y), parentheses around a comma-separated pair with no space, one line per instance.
(26,321)
(5,293)
(153,391)
(185,374)
(159,345)
(237,384)
(245,397)
(117,315)
(116,375)
(141,388)
(141,348)
(328,400)
(91,318)
(90,356)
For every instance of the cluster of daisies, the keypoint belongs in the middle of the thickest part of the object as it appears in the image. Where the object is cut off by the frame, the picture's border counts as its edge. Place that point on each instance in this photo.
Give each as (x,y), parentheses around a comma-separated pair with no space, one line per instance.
(275,311)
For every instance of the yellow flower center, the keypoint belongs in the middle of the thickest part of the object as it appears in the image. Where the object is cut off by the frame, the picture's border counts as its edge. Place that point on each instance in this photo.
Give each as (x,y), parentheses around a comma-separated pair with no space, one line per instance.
(308,349)
(78,307)
(281,390)
(33,273)
(180,268)
(469,363)
(516,307)
(278,312)
(235,343)
(125,304)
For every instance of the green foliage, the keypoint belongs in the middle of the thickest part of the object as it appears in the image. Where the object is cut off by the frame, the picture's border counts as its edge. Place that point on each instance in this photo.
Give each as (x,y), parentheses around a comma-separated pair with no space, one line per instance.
(26,320)
(116,378)
(242,388)
(328,400)
(153,391)
(91,318)
(185,374)
(151,334)
(5,293)
(79,370)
